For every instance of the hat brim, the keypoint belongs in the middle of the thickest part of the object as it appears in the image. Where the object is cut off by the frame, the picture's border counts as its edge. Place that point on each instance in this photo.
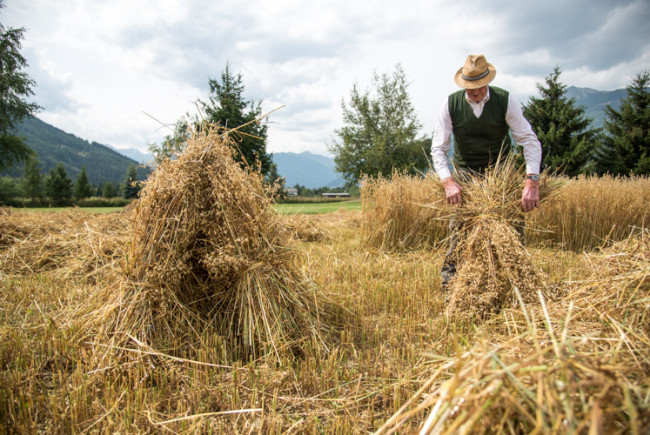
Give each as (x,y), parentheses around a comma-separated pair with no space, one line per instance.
(475,84)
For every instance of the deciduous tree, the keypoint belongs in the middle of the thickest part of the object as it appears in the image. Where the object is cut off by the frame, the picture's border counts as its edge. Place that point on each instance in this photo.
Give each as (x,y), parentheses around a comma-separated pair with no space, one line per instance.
(172,144)
(381,131)
(15,88)
(9,190)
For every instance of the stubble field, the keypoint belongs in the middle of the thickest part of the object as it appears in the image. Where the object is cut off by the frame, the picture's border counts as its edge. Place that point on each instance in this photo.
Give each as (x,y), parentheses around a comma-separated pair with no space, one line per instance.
(94,339)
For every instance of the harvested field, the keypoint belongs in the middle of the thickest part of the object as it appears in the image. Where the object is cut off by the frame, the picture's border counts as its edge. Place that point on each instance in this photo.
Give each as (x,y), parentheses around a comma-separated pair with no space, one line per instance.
(94,340)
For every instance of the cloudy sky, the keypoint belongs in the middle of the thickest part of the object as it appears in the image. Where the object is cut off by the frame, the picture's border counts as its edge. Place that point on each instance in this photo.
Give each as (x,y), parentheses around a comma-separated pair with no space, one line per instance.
(102,65)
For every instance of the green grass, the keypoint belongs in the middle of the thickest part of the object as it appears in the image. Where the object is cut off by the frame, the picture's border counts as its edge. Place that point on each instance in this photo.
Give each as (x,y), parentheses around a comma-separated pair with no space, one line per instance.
(318,208)
(60,209)
(305,208)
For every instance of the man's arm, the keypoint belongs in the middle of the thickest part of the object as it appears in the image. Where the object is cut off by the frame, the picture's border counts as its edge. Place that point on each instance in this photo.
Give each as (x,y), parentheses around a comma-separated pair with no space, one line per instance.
(523,135)
(439,149)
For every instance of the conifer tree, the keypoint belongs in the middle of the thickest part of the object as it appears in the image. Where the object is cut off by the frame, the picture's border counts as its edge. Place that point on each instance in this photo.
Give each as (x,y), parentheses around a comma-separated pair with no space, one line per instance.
(109,190)
(58,186)
(32,180)
(131,185)
(626,145)
(562,127)
(82,188)
(227,107)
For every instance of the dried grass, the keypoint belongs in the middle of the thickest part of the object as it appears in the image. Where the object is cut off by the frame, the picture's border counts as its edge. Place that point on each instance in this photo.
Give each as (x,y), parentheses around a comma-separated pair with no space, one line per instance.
(303,228)
(33,243)
(73,355)
(590,212)
(576,365)
(394,218)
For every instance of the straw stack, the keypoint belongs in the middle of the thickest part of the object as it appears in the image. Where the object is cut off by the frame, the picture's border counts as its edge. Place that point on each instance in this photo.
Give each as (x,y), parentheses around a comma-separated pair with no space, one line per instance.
(208,246)
(491,260)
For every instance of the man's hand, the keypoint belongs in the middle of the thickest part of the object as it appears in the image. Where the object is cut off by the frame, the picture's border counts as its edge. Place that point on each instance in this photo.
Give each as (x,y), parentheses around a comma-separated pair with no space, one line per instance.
(452,191)
(530,196)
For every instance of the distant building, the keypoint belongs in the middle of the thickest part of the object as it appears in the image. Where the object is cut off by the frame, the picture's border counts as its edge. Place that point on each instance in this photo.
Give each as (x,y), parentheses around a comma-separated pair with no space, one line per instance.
(336,195)
(291,191)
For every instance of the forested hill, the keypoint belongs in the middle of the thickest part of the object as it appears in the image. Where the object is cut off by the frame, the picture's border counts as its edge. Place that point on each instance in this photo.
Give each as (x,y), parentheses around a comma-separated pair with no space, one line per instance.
(53,145)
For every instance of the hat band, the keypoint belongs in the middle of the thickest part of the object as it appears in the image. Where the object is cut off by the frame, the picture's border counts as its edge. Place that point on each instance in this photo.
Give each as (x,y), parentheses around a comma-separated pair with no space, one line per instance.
(478,77)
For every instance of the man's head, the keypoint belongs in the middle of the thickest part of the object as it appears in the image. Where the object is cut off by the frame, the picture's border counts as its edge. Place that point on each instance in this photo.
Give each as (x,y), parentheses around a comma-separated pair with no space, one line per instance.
(477,94)
(476,73)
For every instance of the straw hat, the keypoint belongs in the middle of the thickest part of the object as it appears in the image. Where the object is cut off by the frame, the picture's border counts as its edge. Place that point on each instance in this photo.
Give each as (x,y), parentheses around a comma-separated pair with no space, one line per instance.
(476,72)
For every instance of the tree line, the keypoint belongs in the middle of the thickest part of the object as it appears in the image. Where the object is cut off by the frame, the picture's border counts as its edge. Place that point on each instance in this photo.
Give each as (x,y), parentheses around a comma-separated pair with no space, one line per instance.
(57,189)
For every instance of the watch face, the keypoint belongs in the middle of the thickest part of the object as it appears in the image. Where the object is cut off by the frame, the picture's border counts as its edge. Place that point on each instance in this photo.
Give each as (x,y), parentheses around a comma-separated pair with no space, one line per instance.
(533,177)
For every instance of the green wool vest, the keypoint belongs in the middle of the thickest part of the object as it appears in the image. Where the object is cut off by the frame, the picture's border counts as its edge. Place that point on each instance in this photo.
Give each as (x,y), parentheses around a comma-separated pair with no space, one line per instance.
(479,141)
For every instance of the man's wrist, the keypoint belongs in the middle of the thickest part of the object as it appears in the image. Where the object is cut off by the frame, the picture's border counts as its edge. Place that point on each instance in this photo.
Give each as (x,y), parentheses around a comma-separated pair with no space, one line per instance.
(533,177)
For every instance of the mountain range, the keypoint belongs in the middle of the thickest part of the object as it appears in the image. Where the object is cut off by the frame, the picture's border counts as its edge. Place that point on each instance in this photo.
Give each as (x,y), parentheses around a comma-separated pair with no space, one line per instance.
(308,169)
(105,163)
(595,101)
(53,146)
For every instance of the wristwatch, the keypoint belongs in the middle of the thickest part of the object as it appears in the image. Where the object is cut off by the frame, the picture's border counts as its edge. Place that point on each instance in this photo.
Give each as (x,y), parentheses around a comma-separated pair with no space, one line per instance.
(533,177)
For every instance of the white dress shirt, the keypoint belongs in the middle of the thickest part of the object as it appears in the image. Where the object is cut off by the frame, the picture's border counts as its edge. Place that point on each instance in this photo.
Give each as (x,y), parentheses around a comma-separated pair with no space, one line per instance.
(520,128)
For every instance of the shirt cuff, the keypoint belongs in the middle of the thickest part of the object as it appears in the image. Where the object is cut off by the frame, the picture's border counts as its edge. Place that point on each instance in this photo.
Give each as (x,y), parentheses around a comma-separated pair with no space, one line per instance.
(532,168)
(443,173)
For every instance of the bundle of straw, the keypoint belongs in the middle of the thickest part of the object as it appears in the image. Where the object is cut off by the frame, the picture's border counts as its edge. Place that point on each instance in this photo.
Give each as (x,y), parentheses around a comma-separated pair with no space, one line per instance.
(209,246)
(490,258)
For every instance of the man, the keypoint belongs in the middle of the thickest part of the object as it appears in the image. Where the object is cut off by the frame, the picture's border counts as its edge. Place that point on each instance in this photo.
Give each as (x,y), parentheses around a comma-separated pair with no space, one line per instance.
(481,118)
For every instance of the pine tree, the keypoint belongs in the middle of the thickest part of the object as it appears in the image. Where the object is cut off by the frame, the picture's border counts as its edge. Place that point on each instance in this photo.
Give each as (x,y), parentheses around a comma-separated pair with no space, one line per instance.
(82,188)
(58,186)
(32,180)
(131,186)
(99,190)
(226,107)
(109,191)
(626,146)
(562,127)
